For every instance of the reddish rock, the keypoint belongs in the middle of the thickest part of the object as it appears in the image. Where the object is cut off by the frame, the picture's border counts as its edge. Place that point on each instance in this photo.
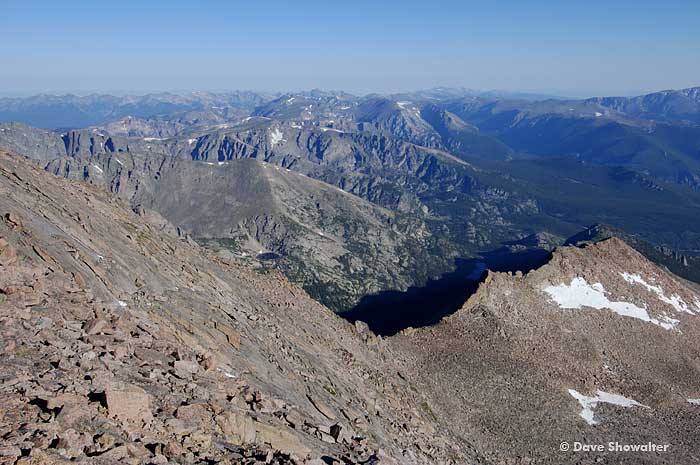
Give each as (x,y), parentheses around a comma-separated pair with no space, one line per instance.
(129,404)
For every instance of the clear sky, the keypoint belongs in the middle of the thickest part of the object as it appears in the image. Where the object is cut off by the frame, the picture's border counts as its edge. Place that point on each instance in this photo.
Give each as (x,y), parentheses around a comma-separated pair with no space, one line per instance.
(567,47)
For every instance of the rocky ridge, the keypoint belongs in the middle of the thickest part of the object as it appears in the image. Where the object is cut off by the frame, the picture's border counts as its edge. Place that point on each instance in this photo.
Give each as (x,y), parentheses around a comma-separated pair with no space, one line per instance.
(528,359)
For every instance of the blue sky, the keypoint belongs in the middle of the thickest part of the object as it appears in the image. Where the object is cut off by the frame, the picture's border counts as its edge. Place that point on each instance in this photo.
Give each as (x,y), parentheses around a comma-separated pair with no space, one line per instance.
(566,47)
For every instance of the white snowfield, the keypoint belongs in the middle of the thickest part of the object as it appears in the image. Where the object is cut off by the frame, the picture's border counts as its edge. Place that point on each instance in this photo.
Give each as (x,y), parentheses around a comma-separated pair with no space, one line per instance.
(580,294)
(276,137)
(674,301)
(590,403)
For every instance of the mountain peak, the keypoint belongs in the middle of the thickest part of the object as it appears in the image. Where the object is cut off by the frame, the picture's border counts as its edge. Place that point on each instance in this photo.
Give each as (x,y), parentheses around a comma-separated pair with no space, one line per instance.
(531,351)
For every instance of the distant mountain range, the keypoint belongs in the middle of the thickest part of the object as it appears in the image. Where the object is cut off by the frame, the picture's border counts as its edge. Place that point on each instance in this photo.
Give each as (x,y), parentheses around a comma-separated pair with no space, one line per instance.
(354,196)
(72,111)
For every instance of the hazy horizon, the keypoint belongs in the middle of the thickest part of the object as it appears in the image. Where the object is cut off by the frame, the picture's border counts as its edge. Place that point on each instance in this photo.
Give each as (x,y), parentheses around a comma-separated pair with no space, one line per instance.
(573,49)
(184,92)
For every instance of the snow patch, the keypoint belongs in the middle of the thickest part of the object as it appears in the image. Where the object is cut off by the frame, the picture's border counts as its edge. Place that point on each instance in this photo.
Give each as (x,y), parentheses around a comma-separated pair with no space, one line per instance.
(121,303)
(580,294)
(226,373)
(149,139)
(598,114)
(674,301)
(98,168)
(590,403)
(694,401)
(191,141)
(333,130)
(275,137)
(118,161)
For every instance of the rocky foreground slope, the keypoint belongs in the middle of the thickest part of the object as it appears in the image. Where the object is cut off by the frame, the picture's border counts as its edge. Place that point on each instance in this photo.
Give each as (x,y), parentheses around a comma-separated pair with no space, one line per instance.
(123,343)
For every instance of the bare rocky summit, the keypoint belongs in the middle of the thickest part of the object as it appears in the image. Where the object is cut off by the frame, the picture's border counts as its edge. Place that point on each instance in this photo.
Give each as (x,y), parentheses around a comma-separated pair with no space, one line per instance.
(599,345)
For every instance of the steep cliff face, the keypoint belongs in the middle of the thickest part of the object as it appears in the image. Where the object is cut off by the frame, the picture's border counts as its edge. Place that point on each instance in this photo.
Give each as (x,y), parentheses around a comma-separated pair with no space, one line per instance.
(598,345)
(123,343)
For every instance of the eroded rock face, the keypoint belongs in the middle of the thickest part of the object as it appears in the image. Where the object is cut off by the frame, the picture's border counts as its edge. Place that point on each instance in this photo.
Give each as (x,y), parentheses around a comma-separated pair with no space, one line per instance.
(598,345)
(124,343)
